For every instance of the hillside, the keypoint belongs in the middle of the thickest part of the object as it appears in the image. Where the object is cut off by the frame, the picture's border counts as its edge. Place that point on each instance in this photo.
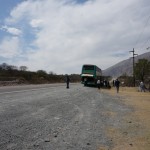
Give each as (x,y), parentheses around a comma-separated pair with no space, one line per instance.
(124,66)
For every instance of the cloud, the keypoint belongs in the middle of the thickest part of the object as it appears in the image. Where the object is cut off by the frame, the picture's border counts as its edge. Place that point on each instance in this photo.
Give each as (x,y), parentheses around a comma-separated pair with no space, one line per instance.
(9,47)
(36,23)
(68,34)
(13,31)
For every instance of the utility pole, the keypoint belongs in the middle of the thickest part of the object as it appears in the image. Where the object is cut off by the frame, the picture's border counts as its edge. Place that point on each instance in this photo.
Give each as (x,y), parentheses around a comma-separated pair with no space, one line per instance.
(133,66)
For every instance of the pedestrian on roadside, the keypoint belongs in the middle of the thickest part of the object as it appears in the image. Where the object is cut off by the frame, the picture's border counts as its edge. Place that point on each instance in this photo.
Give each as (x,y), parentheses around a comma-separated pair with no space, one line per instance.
(149,87)
(98,84)
(117,84)
(85,81)
(142,86)
(67,81)
(113,83)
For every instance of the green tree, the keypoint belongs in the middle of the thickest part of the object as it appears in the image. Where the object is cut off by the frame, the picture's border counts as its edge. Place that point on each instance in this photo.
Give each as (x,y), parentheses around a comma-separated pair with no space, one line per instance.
(41,73)
(23,68)
(142,69)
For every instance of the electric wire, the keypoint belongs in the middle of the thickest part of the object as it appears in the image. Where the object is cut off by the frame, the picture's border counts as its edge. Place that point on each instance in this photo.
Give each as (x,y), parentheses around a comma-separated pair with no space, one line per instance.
(140,35)
(145,44)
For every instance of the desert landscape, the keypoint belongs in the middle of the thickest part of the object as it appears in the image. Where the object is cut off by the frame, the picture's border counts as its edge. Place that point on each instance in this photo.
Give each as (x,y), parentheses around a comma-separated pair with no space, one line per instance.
(135,133)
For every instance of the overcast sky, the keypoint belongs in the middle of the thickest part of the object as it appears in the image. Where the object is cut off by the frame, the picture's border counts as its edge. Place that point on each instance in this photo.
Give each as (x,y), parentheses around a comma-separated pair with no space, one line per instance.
(62,35)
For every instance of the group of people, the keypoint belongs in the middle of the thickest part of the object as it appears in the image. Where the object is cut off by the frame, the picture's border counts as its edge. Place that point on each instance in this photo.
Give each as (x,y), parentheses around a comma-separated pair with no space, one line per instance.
(106,84)
(116,83)
(103,84)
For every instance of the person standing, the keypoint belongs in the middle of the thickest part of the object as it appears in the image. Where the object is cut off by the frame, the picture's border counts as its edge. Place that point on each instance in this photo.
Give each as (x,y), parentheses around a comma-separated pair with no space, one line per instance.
(85,81)
(98,83)
(117,84)
(142,86)
(113,83)
(149,87)
(67,81)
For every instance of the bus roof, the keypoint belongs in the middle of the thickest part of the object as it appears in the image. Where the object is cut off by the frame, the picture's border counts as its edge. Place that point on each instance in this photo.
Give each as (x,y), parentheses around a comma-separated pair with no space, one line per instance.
(88,65)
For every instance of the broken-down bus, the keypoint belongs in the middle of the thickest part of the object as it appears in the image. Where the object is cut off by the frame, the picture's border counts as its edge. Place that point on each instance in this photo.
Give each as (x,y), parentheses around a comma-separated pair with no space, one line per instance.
(90,74)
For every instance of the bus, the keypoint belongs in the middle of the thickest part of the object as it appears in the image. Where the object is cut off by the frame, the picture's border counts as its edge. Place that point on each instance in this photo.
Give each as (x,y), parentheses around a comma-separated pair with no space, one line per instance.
(90,74)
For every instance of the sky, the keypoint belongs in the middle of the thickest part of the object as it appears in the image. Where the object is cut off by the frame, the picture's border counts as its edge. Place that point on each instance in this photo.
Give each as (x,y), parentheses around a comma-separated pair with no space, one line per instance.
(61,35)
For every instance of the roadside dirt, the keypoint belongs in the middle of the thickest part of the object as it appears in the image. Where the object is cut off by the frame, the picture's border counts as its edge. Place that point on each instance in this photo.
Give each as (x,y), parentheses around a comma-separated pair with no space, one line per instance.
(134,134)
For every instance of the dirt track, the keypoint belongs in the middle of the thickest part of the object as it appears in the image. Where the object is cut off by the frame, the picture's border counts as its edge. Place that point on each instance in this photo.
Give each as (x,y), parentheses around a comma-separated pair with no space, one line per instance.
(135,133)
(80,118)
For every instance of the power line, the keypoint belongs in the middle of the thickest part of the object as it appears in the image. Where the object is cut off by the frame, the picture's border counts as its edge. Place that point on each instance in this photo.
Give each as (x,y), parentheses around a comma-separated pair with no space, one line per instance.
(140,35)
(144,45)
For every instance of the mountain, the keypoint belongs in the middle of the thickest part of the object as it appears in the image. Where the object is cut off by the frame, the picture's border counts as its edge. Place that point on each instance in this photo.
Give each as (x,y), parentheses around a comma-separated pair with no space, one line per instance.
(125,66)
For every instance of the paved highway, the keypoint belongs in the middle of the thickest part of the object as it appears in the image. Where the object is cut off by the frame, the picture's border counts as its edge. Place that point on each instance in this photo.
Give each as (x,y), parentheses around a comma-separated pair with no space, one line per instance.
(51,117)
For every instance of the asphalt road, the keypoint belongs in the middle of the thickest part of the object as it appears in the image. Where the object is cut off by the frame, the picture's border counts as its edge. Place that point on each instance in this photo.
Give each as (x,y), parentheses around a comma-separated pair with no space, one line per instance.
(51,117)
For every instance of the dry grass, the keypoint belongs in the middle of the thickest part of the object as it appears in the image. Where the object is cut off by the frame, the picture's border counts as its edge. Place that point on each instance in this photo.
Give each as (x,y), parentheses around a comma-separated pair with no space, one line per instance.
(136,132)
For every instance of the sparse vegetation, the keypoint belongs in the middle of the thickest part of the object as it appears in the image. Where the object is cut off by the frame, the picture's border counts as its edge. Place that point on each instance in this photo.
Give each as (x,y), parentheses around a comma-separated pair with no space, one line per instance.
(142,70)
(126,80)
(11,74)
(142,73)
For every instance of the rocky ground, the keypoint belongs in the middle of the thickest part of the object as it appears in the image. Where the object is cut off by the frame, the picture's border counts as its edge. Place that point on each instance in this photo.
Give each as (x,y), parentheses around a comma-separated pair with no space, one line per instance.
(134,133)
(51,117)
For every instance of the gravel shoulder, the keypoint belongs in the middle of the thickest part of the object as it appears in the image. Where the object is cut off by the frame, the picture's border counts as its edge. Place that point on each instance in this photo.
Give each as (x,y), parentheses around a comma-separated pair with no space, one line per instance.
(80,118)
(134,131)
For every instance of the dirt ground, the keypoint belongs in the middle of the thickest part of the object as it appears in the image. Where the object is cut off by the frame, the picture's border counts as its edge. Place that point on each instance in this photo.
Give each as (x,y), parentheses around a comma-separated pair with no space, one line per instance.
(135,134)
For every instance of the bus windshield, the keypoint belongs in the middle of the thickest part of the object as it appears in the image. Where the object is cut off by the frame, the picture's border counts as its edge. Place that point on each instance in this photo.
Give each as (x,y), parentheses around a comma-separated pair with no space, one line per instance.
(88,67)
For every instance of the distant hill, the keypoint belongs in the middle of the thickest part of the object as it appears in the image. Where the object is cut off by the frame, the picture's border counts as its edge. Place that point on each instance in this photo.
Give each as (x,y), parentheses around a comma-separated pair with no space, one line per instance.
(124,66)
